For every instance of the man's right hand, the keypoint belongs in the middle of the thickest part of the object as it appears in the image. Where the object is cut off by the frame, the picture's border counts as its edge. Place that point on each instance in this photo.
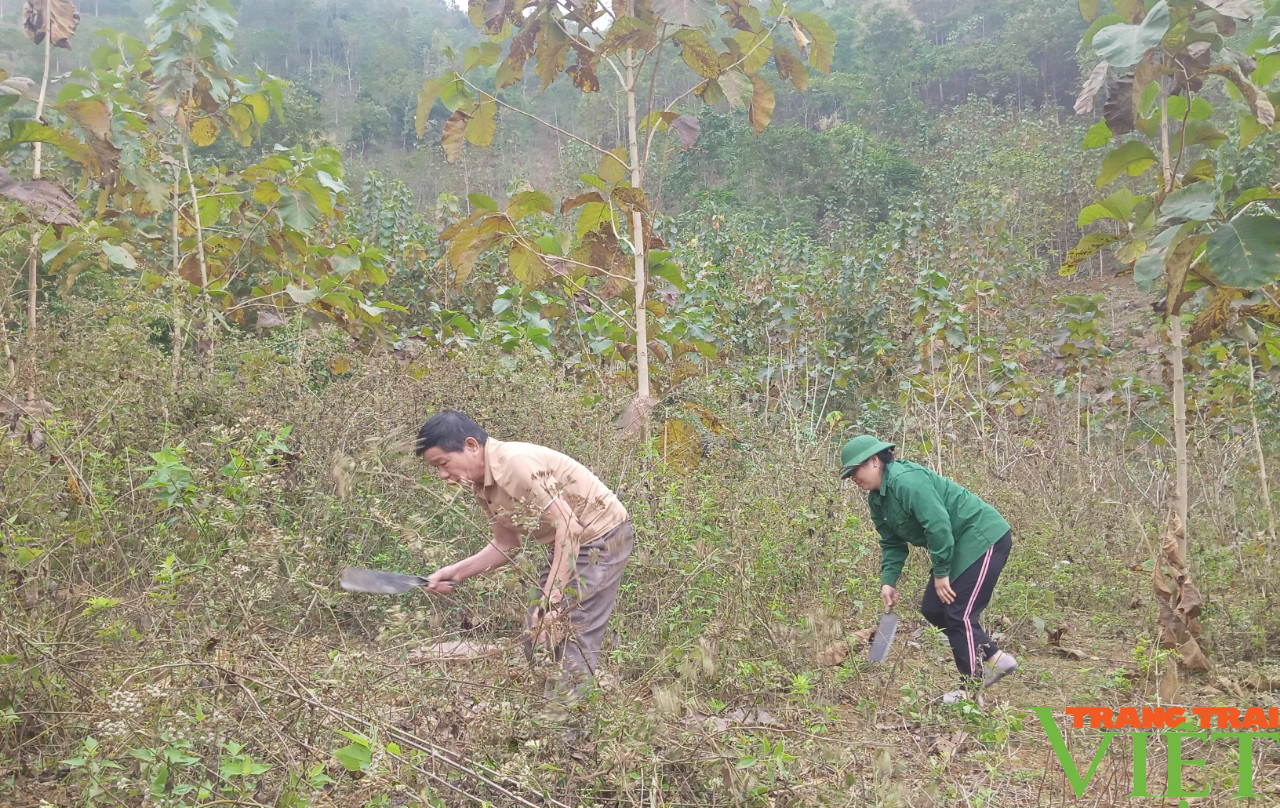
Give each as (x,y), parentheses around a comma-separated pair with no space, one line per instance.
(889,594)
(442,582)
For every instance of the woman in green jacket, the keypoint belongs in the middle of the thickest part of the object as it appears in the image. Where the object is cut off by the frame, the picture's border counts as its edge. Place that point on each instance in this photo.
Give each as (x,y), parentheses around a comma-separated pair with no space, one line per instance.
(967,539)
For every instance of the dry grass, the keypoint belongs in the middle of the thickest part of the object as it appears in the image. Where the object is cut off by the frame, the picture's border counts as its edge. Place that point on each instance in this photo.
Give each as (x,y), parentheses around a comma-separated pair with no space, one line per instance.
(219,621)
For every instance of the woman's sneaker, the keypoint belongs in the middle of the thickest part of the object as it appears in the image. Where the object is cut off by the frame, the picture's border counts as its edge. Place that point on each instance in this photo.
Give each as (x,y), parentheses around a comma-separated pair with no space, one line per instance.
(999,666)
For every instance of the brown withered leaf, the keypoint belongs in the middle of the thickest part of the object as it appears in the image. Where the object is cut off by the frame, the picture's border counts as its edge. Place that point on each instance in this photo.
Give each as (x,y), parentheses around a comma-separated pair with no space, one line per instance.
(1118,109)
(1239,9)
(95,121)
(584,78)
(1092,85)
(1259,682)
(833,654)
(1069,653)
(1190,600)
(688,128)
(46,201)
(1053,636)
(1257,100)
(1192,656)
(1231,686)
(1170,683)
(861,639)
(60,24)
(269,319)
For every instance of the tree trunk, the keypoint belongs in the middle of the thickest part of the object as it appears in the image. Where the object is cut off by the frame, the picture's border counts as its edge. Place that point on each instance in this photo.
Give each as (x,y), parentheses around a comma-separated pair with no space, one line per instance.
(1262,458)
(33,259)
(1179,392)
(637,237)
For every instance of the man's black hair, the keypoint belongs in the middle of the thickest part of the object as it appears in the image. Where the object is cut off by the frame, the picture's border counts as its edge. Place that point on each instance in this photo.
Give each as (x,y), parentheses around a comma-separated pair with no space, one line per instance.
(886,456)
(448,431)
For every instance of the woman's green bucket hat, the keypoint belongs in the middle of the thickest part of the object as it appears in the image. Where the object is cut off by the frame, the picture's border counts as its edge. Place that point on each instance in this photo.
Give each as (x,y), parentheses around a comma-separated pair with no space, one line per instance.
(858,451)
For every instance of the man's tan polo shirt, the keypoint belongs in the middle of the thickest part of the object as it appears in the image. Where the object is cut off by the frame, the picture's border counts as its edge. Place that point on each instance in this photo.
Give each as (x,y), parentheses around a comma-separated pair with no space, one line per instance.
(521,480)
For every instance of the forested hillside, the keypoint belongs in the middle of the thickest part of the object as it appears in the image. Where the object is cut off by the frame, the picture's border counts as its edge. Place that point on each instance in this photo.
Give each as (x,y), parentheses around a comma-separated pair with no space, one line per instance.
(248,246)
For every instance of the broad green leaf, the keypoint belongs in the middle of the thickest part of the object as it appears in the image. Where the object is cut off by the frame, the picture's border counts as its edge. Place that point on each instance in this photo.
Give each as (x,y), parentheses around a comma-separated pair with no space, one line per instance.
(297,209)
(320,195)
(1118,206)
(426,100)
(1148,269)
(29,131)
(1249,129)
(483,55)
(613,166)
(483,124)
(482,201)
(302,296)
(737,89)
(119,256)
(1132,157)
(593,216)
(266,193)
(511,71)
(354,757)
(1201,110)
(1089,9)
(331,182)
(527,266)
(527,203)
(1265,72)
(710,92)
(824,39)
(1197,202)
(210,210)
(260,107)
(628,33)
(1098,136)
(1245,252)
(762,103)
(1254,195)
(1106,20)
(454,93)
(697,53)
(689,13)
(754,50)
(1124,45)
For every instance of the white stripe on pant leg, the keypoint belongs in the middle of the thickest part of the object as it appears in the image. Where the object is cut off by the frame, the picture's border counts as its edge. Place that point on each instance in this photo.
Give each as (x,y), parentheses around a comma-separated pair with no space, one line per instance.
(968,625)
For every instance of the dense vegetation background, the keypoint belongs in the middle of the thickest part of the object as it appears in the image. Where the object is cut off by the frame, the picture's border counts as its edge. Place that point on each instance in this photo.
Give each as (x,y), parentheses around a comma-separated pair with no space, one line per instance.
(209,390)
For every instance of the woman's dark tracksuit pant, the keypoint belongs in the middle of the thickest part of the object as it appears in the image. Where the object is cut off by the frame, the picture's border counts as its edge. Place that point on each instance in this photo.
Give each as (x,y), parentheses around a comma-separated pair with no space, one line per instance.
(970,644)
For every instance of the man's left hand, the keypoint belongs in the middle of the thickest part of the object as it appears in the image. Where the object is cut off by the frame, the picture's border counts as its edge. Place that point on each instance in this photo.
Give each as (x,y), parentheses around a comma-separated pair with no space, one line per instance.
(548,628)
(945,593)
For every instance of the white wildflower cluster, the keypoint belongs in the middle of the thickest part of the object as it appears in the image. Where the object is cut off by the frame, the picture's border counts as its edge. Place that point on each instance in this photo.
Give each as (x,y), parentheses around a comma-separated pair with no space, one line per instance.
(125,704)
(239,571)
(125,707)
(185,726)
